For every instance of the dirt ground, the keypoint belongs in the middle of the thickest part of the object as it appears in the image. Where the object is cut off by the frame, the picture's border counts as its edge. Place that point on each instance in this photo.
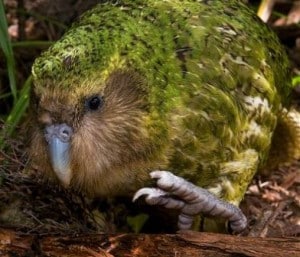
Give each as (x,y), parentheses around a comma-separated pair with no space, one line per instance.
(31,205)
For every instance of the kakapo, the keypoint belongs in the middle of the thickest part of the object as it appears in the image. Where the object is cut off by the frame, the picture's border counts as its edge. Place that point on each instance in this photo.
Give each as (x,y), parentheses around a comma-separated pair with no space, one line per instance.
(185,93)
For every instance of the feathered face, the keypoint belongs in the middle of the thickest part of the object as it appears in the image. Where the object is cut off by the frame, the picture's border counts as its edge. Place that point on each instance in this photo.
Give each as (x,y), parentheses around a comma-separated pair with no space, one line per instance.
(88,136)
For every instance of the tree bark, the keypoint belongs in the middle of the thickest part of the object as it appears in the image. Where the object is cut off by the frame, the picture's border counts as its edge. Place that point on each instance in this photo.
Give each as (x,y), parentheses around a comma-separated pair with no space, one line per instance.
(185,244)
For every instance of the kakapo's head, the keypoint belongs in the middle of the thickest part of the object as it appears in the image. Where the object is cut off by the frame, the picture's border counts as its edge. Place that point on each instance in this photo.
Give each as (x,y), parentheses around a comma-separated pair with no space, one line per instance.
(93,121)
(101,95)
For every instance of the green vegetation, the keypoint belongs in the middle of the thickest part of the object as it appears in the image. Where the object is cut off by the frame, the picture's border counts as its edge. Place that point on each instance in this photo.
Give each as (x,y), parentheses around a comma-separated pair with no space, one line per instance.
(6,47)
(21,98)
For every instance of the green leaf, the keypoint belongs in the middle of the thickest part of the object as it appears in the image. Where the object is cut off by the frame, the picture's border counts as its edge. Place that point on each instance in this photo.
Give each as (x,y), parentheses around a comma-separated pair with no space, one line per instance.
(296,81)
(6,47)
(137,222)
(17,112)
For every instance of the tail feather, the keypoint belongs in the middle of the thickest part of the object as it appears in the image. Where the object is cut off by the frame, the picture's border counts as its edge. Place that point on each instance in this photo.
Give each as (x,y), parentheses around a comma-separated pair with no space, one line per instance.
(285,146)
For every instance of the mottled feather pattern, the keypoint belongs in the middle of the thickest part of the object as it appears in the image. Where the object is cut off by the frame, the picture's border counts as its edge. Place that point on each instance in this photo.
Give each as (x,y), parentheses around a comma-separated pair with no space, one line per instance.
(209,82)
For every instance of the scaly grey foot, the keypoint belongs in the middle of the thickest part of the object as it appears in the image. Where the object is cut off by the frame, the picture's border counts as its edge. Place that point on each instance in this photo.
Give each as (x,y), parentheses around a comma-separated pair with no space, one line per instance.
(176,193)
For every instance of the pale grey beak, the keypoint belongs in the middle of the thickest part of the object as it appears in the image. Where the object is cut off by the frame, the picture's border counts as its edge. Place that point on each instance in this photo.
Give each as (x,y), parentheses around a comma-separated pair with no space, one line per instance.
(58,138)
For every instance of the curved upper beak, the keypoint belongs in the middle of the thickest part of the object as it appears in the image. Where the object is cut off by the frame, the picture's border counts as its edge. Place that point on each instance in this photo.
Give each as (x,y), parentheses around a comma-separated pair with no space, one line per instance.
(58,137)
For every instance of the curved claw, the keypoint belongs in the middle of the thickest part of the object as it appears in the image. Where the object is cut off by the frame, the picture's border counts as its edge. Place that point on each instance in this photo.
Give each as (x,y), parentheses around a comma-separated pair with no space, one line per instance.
(153,192)
(156,196)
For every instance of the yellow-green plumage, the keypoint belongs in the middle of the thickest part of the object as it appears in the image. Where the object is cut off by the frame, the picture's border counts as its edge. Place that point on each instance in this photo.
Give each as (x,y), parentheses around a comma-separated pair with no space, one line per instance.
(204,84)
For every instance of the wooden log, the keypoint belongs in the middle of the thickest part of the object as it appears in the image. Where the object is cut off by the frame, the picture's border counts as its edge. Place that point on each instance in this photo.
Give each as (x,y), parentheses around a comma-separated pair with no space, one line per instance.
(183,244)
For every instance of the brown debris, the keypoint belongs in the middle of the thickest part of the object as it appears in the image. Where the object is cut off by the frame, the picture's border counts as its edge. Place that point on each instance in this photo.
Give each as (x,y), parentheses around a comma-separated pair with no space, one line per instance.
(273,206)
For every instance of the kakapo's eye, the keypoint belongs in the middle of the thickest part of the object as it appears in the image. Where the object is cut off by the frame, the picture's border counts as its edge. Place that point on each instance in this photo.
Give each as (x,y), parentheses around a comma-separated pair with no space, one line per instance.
(94,102)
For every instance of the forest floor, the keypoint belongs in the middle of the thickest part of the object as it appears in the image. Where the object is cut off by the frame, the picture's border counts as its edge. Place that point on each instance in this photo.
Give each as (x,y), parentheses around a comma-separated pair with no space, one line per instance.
(32,206)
